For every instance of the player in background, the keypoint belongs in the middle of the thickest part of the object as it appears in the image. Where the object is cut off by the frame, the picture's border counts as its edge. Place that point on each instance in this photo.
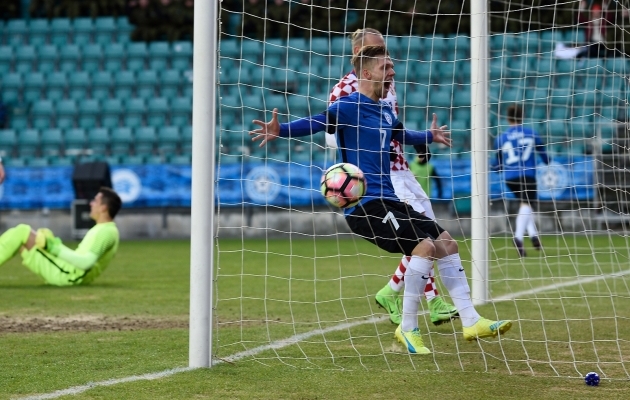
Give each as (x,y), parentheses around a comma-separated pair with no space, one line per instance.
(516,156)
(407,189)
(45,255)
(364,127)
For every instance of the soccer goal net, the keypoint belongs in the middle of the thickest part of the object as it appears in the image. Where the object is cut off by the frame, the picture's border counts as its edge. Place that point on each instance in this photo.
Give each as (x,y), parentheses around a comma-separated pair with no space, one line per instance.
(295,287)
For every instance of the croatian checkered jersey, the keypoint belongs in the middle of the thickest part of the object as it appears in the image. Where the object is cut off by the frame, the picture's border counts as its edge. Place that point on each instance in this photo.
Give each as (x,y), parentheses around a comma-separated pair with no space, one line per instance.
(350,84)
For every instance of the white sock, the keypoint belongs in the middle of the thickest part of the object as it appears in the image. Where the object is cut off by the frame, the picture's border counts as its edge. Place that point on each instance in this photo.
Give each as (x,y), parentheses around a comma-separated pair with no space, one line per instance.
(531,225)
(521,221)
(415,280)
(454,279)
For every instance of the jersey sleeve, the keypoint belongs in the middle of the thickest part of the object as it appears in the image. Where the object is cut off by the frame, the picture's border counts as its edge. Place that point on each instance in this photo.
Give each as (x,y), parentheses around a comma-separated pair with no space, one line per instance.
(105,239)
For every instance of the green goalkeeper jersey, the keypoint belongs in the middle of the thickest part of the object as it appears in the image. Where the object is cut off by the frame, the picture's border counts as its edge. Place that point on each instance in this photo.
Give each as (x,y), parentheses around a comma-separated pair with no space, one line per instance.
(102,241)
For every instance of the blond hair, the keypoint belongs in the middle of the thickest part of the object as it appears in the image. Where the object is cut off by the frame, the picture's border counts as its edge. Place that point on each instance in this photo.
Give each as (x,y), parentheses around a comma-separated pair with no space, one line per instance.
(356,38)
(366,57)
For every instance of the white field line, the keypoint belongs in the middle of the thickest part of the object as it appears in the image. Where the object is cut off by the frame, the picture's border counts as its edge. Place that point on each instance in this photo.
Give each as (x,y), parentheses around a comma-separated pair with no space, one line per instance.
(295,339)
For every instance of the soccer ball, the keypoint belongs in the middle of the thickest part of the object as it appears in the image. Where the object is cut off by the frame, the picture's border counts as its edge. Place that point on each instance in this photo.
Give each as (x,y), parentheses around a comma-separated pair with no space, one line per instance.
(591,379)
(343,185)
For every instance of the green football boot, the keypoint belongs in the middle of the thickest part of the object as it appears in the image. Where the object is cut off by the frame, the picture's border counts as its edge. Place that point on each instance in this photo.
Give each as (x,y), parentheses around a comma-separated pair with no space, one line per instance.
(441,311)
(389,299)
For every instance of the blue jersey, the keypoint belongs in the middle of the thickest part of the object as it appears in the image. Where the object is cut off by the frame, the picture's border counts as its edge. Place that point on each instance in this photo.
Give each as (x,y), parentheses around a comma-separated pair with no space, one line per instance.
(516,153)
(364,130)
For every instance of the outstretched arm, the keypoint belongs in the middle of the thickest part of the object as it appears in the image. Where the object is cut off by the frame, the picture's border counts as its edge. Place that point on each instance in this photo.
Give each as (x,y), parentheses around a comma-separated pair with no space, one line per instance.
(301,127)
(434,135)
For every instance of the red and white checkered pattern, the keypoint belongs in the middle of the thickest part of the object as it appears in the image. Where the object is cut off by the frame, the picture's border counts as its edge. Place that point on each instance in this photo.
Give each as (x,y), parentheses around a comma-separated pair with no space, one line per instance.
(397,281)
(350,84)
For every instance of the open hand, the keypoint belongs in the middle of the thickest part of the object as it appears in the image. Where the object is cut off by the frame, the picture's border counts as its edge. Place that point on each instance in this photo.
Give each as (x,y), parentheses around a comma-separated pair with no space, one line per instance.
(440,134)
(268,131)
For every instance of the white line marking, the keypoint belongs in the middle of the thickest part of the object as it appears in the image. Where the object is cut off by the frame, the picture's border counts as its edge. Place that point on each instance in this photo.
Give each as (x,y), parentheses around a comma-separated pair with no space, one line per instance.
(295,339)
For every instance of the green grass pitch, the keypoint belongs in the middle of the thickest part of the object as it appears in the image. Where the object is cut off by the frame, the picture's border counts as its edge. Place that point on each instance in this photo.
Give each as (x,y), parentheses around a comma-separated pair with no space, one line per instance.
(133,321)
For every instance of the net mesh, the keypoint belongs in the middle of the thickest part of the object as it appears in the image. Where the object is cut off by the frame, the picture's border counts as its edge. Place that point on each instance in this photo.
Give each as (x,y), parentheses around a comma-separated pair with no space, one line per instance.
(295,287)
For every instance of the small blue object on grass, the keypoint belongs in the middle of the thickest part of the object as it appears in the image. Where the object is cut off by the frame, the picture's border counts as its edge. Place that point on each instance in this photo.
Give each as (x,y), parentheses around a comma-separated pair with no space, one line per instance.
(591,379)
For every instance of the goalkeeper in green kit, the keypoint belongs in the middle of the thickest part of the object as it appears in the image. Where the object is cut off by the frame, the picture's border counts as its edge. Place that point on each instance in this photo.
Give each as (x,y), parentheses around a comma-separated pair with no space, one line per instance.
(58,265)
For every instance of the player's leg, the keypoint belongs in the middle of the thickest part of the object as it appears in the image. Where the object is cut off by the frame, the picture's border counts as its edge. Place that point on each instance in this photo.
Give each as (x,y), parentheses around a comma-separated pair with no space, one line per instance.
(454,279)
(531,195)
(390,225)
(12,240)
(522,218)
(411,192)
(51,269)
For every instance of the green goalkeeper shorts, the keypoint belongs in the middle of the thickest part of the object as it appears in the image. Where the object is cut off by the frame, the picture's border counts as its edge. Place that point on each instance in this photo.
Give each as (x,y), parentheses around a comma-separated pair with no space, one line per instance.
(52,269)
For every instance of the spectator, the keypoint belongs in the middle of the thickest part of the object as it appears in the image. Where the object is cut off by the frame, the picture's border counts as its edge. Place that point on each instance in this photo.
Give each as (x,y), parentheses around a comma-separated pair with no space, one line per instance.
(594,18)
(278,19)
(302,19)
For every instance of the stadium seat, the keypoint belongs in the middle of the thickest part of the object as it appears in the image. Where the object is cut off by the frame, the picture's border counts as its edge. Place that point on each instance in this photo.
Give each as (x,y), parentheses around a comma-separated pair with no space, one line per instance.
(137,53)
(104,30)
(98,140)
(42,112)
(8,140)
(181,111)
(69,56)
(24,58)
(159,54)
(549,39)
(89,110)
(74,141)
(66,112)
(82,30)
(34,83)
(146,84)
(519,67)
(6,59)
(78,86)
(145,140)
(18,122)
(535,112)
(60,30)
(157,111)
(28,142)
(133,115)
(61,161)
(124,83)
(183,159)
(410,44)
(38,162)
(560,112)
(168,139)
(181,56)
(114,55)
(52,142)
(16,31)
(461,96)
(560,96)
(112,109)
(170,81)
(38,31)
(47,58)
(134,159)
(121,141)
(91,55)
(124,28)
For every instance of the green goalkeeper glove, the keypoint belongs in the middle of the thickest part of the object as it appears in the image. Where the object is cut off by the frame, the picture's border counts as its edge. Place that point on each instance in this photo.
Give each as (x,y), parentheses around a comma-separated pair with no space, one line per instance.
(46,240)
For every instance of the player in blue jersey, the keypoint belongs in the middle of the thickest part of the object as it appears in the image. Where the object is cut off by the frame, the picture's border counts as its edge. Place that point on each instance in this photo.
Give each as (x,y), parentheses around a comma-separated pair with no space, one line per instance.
(516,157)
(364,126)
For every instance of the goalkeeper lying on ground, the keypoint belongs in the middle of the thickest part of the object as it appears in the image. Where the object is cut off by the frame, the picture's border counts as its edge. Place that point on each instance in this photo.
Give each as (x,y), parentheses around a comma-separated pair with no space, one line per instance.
(45,255)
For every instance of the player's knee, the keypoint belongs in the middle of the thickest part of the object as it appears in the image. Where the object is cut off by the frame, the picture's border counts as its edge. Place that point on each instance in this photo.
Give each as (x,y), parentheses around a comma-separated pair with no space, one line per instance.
(24,231)
(425,248)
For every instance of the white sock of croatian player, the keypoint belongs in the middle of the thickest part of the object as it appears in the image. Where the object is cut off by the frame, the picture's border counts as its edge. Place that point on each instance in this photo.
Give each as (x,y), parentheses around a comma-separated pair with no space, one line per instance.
(454,279)
(415,280)
(524,212)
